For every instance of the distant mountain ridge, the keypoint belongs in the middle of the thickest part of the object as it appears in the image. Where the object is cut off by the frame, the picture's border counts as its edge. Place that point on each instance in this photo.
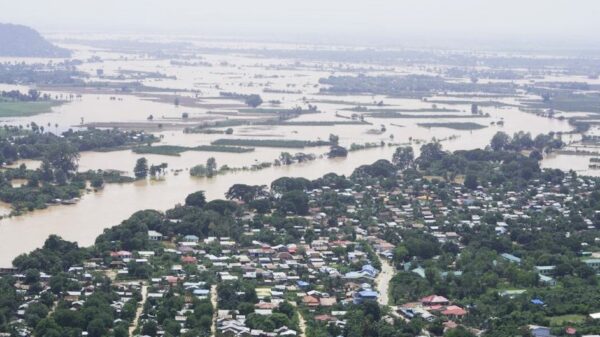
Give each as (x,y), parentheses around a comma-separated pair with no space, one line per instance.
(22,41)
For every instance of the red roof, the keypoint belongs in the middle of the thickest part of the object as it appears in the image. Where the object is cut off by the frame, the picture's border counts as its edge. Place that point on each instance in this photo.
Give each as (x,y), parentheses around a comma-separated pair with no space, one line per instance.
(188,259)
(454,310)
(571,331)
(324,317)
(434,299)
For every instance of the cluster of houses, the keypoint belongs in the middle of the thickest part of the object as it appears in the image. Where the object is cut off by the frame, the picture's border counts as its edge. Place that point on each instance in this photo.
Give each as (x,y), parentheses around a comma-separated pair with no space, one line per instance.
(299,272)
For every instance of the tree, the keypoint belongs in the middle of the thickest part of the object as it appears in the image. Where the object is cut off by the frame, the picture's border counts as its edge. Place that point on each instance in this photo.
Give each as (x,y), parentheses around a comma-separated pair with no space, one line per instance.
(295,202)
(403,157)
(459,332)
(211,167)
(141,168)
(246,193)
(121,331)
(287,309)
(337,151)
(96,328)
(431,152)
(253,100)
(97,182)
(334,139)
(63,156)
(499,141)
(471,181)
(150,328)
(535,154)
(286,184)
(196,199)
(286,158)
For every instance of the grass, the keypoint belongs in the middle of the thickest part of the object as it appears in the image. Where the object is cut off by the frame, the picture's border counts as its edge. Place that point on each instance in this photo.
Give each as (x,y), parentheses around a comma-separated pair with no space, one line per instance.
(24,109)
(219,148)
(287,143)
(563,319)
(567,102)
(174,150)
(398,110)
(321,123)
(455,126)
(275,111)
(399,115)
(466,102)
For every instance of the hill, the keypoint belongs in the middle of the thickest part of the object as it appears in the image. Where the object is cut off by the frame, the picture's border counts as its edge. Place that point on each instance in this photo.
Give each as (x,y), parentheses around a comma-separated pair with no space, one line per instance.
(22,41)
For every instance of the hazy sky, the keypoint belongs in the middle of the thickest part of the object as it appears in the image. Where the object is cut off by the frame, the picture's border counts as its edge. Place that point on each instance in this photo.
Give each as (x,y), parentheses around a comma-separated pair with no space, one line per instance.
(391,20)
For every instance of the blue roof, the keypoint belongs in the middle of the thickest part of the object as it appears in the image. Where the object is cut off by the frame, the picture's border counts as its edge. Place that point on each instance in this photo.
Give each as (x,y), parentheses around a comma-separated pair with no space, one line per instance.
(537,301)
(369,269)
(301,283)
(368,293)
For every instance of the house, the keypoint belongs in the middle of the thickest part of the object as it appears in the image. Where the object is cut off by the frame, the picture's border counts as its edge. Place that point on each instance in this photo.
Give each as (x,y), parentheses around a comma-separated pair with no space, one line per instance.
(188,260)
(540,331)
(191,238)
(154,235)
(327,301)
(511,258)
(593,263)
(365,295)
(310,301)
(547,280)
(122,254)
(454,311)
(433,300)
(369,270)
(545,270)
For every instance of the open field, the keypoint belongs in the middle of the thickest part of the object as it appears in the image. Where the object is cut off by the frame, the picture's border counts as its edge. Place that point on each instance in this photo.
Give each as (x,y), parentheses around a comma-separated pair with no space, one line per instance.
(25,109)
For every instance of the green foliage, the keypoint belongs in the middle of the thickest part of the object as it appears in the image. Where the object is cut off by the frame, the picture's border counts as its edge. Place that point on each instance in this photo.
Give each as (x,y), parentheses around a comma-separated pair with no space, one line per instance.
(196,199)
(295,202)
(288,143)
(141,168)
(55,256)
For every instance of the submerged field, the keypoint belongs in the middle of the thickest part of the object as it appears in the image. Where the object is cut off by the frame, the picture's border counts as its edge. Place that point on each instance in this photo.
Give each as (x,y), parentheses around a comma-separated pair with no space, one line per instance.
(25,109)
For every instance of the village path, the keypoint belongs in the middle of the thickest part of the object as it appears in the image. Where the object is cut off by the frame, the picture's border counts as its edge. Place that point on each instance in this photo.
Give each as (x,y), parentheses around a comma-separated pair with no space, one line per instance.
(302,324)
(140,309)
(383,285)
(213,301)
(383,282)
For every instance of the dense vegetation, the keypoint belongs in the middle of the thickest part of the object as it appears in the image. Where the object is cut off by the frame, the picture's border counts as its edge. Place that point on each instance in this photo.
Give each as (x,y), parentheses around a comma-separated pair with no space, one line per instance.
(288,143)
(21,41)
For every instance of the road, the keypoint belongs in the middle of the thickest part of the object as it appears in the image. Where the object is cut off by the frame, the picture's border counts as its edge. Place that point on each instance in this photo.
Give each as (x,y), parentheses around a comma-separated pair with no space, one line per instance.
(382,282)
(140,309)
(213,300)
(302,324)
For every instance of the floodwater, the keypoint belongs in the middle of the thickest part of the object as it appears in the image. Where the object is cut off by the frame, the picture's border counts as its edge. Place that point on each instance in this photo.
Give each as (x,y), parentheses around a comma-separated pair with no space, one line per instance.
(294,85)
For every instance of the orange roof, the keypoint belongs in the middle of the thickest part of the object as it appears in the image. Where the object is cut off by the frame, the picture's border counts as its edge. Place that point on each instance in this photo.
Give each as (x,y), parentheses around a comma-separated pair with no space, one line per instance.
(434,299)
(310,300)
(454,310)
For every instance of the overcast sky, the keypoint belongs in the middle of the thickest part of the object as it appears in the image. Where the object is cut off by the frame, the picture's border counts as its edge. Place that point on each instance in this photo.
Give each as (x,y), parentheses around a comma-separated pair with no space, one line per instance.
(563,21)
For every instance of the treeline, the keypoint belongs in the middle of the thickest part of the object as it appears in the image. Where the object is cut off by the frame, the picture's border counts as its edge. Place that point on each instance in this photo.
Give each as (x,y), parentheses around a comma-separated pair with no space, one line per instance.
(288,143)
(17,143)
(413,86)
(63,73)
(31,96)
